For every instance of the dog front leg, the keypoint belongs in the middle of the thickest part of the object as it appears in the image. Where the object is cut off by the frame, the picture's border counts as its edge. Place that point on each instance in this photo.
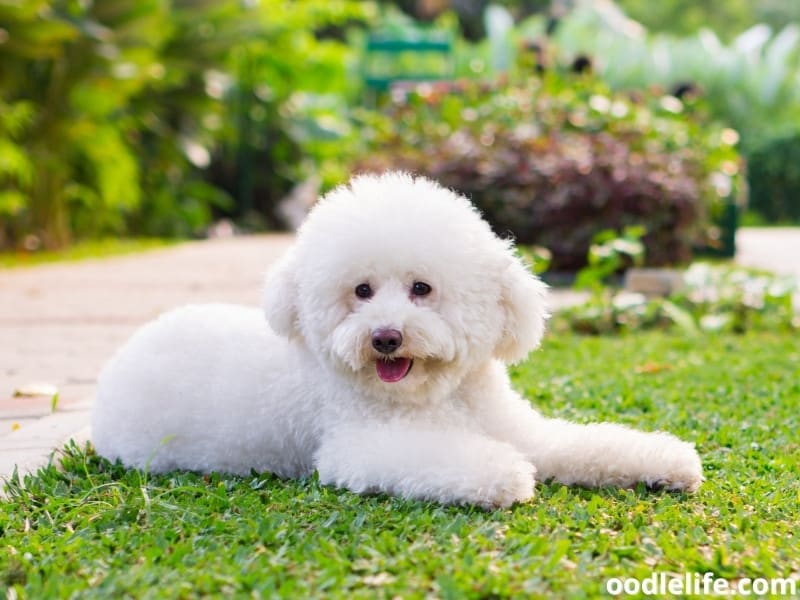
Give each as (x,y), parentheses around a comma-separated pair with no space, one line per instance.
(597,454)
(452,467)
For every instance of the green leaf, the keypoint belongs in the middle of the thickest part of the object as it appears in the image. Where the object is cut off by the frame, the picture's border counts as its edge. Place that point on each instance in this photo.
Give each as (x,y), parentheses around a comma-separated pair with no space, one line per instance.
(15,163)
(682,318)
(12,202)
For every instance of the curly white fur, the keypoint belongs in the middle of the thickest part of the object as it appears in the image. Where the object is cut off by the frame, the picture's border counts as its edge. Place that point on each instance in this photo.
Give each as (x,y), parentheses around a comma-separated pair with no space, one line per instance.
(214,388)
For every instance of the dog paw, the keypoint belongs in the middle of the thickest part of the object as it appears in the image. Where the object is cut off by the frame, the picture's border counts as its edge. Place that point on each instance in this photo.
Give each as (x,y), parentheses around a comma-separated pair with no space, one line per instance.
(680,470)
(515,483)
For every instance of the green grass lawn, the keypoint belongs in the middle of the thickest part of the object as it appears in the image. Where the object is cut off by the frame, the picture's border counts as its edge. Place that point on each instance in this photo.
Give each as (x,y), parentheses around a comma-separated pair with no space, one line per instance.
(93,530)
(81,251)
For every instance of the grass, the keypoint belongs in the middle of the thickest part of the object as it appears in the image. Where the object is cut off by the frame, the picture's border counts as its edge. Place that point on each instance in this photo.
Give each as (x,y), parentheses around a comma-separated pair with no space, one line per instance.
(751,218)
(81,251)
(95,530)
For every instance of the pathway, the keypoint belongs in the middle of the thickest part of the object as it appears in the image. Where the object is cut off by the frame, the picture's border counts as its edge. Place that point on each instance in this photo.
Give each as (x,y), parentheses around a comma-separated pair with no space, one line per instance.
(60,323)
(772,248)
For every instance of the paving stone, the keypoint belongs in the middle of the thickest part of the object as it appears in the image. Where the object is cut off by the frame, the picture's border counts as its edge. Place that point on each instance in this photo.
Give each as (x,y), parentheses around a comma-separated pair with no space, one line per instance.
(11,424)
(42,434)
(775,249)
(60,323)
(24,407)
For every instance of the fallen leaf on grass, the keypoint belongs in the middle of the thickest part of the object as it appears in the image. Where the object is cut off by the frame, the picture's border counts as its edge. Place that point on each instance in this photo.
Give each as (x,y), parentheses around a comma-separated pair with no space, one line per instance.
(652,367)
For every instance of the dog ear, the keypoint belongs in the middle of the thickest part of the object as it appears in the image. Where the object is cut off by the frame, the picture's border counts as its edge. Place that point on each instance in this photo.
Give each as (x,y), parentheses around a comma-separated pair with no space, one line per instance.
(280,296)
(524,301)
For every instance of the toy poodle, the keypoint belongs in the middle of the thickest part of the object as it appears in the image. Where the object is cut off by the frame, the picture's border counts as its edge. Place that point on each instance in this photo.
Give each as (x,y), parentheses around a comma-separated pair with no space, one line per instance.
(381,364)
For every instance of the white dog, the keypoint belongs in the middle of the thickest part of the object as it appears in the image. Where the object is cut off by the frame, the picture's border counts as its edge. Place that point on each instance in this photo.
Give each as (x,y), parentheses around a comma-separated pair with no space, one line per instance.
(391,321)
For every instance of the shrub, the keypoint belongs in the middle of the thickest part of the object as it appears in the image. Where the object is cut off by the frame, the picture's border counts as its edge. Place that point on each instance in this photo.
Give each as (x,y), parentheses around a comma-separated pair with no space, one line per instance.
(774,179)
(750,83)
(713,299)
(150,116)
(554,161)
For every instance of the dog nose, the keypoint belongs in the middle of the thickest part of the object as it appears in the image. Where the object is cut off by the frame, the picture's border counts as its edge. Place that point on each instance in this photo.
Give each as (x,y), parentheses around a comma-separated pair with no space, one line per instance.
(386,341)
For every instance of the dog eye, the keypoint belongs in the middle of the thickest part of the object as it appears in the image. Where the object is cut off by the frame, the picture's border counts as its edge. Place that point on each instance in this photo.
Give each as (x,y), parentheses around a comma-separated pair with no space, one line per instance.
(420,288)
(363,290)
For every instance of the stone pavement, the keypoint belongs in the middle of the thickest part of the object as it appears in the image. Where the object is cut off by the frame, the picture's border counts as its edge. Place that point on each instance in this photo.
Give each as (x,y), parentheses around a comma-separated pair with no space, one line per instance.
(774,249)
(60,323)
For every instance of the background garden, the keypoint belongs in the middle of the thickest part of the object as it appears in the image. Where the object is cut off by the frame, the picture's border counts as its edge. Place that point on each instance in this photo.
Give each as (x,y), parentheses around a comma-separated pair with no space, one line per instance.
(600,135)
(157,117)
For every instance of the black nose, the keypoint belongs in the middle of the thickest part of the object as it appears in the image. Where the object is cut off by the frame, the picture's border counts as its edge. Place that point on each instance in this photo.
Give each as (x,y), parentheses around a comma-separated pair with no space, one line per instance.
(386,341)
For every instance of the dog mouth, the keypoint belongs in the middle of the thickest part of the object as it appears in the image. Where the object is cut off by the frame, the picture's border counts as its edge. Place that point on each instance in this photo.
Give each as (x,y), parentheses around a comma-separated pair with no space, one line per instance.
(394,369)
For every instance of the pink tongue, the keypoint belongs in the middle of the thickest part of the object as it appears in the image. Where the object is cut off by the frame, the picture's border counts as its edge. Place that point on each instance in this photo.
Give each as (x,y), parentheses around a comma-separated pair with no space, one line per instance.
(391,371)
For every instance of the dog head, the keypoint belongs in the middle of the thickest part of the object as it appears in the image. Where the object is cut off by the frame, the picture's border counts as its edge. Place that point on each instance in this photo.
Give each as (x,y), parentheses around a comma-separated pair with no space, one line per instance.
(402,287)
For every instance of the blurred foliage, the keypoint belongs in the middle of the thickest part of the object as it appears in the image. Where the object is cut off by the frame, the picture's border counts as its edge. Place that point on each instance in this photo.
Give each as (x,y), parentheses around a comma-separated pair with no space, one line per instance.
(751,84)
(608,255)
(727,19)
(150,115)
(71,69)
(469,13)
(155,117)
(713,299)
(773,174)
(538,258)
(82,250)
(555,159)
(16,168)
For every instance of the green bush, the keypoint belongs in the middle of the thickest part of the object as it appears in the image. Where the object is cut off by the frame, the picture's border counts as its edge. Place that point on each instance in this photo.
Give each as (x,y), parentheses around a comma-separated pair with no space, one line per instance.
(748,81)
(555,161)
(773,175)
(712,299)
(727,18)
(749,84)
(16,168)
(153,116)
(73,67)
